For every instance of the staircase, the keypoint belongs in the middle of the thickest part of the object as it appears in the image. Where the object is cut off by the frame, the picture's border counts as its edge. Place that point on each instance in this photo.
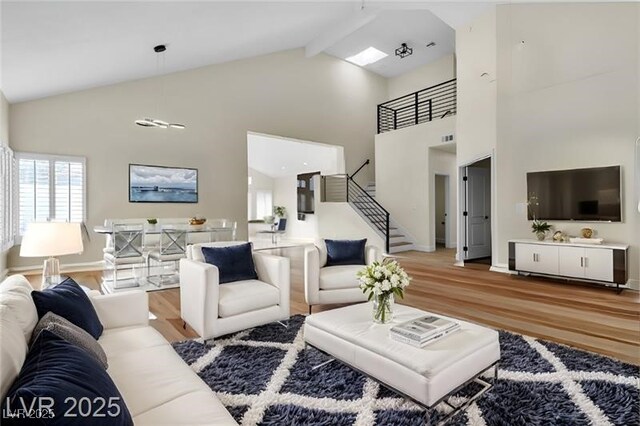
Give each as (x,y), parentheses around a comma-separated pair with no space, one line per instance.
(398,242)
(343,188)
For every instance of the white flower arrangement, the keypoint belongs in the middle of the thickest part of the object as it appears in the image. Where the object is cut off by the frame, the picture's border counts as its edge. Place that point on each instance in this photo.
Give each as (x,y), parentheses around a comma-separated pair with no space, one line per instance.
(380,279)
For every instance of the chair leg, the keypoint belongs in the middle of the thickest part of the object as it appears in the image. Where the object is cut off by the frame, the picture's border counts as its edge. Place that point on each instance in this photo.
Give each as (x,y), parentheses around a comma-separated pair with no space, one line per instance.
(209,342)
(184,325)
(310,309)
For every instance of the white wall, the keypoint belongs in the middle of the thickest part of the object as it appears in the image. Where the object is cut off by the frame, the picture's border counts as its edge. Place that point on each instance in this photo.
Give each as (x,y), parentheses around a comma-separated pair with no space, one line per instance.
(567,98)
(476,109)
(405,176)
(323,99)
(285,193)
(4,139)
(428,75)
(259,182)
(4,119)
(341,221)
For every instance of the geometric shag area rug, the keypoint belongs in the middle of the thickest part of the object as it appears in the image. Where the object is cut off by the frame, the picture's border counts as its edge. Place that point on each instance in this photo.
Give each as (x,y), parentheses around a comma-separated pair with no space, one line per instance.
(264,377)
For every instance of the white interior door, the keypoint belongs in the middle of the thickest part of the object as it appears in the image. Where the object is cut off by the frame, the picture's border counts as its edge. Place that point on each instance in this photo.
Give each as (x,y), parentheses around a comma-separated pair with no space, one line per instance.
(478,212)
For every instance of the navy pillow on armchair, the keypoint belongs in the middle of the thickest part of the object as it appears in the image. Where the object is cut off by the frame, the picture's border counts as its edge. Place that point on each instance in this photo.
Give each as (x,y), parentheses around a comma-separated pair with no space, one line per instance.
(345,252)
(235,263)
(69,301)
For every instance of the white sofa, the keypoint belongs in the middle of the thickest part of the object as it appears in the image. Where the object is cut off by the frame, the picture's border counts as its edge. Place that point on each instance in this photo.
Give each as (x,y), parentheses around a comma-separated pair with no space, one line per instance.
(333,284)
(214,310)
(158,387)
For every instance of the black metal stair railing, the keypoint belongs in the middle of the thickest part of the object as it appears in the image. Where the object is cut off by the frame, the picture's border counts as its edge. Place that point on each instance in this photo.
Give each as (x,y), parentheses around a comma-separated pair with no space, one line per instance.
(418,107)
(368,206)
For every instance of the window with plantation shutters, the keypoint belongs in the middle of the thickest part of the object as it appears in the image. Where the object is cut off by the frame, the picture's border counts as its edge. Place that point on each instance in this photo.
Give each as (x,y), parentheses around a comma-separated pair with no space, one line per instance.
(6,202)
(50,188)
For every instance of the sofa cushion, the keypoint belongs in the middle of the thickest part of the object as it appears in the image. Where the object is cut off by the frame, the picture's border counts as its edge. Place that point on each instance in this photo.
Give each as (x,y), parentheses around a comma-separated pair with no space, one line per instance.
(339,277)
(345,252)
(246,296)
(72,334)
(18,317)
(117,341)
(59,370)
(235,263)
(69,301)
(151,377)
(15,293)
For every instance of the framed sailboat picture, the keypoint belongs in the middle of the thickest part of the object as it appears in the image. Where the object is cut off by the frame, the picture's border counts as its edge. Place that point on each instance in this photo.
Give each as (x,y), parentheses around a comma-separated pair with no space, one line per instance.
(162,184)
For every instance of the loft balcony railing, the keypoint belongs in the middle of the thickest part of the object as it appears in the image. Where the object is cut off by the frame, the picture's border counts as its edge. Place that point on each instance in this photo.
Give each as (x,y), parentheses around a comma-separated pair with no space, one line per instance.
(425,105)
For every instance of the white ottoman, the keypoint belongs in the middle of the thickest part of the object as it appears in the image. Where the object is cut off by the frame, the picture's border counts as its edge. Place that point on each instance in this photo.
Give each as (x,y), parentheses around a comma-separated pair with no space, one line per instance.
(426,375)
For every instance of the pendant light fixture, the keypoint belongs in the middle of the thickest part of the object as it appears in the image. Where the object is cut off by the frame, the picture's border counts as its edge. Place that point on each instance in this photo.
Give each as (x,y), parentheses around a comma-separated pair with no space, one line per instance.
(154,122)
(403,51)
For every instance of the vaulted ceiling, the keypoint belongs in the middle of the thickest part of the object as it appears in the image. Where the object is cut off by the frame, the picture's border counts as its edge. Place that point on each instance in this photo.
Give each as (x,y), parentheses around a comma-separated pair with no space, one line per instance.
(53,47)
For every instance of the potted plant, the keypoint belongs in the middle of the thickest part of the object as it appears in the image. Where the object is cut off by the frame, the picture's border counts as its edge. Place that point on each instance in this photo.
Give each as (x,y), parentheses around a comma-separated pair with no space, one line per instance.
(381,281)
(279,211)
(540,228)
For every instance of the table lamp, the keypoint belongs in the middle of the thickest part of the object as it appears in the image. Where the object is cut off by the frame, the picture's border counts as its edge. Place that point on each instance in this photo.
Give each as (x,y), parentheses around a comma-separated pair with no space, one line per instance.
(50,239)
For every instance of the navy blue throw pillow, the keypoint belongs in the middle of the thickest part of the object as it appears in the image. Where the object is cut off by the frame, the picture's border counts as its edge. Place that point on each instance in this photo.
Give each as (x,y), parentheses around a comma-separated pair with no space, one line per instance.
(235,263)
(345,252)
(61,384)
(69,301)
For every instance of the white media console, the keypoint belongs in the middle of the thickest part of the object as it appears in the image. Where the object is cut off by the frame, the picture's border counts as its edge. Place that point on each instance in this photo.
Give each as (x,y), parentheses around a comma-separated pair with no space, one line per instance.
(600,263)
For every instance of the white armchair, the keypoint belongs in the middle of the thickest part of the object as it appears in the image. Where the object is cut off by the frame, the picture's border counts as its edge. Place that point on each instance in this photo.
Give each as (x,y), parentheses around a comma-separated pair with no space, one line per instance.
(214,309)
(332,284)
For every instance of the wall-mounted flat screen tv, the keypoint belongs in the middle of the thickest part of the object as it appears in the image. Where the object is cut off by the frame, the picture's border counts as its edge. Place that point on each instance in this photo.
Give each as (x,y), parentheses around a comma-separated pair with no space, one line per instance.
(589,195)
(160,184)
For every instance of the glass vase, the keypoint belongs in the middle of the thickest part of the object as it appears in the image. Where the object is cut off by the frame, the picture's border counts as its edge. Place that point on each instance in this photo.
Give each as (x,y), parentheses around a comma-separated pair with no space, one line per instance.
(541,235)
(383,308)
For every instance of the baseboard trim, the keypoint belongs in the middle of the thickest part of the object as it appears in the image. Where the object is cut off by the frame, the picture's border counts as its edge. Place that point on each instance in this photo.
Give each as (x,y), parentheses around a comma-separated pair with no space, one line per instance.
(427,249)
(501,268)
(65,267)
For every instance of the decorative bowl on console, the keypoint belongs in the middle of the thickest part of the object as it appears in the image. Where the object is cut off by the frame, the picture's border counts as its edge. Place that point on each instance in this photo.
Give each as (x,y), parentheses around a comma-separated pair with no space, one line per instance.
(586,232)
(197,221)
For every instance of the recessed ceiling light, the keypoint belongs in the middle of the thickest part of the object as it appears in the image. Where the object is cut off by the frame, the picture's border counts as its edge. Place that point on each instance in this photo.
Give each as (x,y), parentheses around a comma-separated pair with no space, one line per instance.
(367,56)
(282,168)
(305,164)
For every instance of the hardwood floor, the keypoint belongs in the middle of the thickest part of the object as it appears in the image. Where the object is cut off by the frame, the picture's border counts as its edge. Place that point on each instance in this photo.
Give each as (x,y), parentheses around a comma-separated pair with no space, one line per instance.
(592,318)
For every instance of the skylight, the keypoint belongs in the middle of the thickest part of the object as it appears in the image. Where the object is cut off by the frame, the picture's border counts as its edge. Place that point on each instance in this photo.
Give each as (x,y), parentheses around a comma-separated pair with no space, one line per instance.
(366,57)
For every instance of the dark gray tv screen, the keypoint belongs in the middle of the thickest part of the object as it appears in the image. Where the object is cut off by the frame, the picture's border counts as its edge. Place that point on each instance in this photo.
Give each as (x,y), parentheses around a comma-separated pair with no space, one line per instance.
(588,195)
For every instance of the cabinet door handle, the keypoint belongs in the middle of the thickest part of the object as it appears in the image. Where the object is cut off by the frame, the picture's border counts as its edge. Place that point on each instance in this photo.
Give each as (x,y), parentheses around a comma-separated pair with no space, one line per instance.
(585,262)
(581,262)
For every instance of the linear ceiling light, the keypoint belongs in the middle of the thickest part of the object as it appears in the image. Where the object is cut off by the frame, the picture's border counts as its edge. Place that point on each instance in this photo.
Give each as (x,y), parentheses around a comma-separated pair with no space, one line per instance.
(367,56)
(154,122)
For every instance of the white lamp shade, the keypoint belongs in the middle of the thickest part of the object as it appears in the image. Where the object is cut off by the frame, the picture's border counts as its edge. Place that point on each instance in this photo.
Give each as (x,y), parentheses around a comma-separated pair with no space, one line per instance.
(47,239)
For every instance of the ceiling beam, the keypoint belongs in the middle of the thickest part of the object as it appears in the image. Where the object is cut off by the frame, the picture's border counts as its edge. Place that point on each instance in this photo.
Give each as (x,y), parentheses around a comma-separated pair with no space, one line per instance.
(340,31)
